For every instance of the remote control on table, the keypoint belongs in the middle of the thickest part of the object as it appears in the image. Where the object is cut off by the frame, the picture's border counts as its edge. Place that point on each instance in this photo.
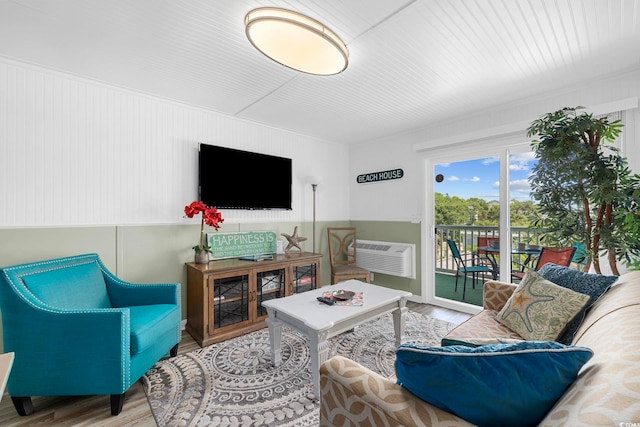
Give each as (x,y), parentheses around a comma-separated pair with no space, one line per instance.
(326,300)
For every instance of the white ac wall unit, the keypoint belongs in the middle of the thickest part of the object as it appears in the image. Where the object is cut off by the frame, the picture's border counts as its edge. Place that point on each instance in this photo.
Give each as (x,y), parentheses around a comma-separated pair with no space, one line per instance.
(396,259)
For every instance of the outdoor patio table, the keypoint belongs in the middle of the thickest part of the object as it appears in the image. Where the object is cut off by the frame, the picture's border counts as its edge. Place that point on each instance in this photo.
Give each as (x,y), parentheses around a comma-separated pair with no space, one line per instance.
(531,254)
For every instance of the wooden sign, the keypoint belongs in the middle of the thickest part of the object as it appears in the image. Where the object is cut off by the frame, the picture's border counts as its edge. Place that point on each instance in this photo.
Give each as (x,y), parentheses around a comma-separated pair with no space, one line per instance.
(234,245)
(380,176)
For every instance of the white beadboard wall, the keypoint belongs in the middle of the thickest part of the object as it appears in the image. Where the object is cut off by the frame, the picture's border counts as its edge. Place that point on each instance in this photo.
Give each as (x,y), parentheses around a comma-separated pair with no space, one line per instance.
(78,152)
(606,94)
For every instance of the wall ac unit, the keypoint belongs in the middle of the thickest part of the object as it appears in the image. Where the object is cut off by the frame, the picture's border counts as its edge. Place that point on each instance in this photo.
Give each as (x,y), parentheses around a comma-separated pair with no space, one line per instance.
(396,259)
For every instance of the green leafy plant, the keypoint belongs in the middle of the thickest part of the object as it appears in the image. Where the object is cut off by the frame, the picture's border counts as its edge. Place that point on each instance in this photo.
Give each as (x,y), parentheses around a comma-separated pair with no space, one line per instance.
(585,191)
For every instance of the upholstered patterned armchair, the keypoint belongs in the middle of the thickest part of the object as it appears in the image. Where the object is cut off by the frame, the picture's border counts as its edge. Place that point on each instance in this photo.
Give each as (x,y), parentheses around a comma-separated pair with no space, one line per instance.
(76,329)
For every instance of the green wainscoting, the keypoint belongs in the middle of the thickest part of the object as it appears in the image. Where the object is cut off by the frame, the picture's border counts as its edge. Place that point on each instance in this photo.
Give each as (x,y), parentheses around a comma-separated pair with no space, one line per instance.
(135,253)
(394,231)
(20,245)
(157,253)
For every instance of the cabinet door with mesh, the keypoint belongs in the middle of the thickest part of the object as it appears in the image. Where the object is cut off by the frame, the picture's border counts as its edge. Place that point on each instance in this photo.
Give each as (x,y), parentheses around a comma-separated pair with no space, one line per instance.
(269,285)
(304,278)
(230,304)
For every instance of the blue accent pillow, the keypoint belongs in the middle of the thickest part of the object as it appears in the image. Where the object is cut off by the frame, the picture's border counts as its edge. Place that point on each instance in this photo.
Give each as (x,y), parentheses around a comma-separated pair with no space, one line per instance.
(593,285)
(491,385)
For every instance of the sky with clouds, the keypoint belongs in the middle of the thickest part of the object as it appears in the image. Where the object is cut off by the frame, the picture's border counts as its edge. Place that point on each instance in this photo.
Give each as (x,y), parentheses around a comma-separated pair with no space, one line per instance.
(481,177)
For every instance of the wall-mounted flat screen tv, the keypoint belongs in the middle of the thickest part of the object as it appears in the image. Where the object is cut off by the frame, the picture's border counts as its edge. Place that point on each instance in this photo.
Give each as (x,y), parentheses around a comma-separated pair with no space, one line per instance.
(236,179)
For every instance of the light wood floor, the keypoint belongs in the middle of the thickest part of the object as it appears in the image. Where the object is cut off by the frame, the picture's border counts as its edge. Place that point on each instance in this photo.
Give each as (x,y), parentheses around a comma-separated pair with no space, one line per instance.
(95,410)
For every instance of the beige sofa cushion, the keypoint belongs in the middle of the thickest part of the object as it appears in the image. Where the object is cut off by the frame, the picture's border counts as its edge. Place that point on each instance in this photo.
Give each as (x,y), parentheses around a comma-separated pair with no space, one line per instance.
(607,390)
(623,293)
(496,294)
(483,328)
(354,396)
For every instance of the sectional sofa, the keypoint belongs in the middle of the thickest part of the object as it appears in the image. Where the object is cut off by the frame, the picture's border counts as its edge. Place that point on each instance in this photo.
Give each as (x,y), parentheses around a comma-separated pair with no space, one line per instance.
(606,391)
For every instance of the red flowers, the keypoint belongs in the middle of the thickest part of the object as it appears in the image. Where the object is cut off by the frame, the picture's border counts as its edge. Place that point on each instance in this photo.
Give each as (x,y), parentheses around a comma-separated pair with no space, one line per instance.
(210,216)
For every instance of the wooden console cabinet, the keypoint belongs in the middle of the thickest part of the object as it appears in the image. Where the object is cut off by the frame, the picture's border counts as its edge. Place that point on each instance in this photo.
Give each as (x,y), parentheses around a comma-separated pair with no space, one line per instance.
(224,297)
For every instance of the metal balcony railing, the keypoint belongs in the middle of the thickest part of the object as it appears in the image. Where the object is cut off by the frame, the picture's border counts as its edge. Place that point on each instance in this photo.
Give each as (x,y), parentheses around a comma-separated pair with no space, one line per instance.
(466,237)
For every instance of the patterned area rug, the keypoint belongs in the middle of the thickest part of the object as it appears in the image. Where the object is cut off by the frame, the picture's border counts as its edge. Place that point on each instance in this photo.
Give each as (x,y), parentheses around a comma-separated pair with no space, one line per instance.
(233,383)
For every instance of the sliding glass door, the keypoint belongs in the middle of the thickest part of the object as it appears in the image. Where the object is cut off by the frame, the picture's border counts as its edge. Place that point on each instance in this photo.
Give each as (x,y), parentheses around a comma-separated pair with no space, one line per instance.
(466,201)
(474,221)
(525,239)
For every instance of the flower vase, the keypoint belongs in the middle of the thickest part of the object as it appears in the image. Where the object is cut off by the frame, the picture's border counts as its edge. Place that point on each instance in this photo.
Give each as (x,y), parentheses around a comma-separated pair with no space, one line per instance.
(202,257)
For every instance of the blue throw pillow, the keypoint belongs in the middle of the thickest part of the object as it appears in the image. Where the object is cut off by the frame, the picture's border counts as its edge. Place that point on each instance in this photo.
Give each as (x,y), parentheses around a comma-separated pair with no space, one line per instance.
(491,385)
(593,285)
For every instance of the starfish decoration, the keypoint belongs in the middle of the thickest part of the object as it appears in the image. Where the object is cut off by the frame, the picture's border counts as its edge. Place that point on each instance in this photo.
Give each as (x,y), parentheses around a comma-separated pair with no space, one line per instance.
(523,299)
(294,240)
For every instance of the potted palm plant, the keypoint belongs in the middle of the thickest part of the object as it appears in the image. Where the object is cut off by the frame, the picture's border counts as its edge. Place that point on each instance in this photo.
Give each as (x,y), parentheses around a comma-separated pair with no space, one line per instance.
(585,191)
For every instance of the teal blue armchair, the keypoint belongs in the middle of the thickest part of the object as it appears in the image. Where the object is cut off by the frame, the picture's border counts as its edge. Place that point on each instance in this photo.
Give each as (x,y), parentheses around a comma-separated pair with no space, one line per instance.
(76,329)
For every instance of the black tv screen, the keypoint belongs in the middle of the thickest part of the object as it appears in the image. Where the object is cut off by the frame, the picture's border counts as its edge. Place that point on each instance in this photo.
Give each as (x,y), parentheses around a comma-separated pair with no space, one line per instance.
(236,179)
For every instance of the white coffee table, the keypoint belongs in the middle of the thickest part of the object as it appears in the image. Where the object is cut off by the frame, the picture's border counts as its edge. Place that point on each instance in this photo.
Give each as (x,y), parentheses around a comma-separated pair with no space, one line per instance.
(319,322)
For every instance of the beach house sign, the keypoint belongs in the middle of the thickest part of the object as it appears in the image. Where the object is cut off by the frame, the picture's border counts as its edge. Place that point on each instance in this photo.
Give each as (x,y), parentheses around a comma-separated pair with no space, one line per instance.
(380,176)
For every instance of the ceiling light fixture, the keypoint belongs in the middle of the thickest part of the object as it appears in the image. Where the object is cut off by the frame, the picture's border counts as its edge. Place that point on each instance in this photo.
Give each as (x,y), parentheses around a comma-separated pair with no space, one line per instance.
(296,41)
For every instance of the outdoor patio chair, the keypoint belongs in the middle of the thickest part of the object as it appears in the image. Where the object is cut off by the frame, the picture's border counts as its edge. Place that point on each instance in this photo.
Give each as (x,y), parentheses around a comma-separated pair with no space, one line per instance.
(491,256)
(580,256)
(485,241)
(560,256)
(475,265)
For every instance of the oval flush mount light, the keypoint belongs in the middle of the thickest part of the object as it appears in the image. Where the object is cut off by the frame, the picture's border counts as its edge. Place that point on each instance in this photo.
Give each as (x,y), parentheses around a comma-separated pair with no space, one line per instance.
(296,41)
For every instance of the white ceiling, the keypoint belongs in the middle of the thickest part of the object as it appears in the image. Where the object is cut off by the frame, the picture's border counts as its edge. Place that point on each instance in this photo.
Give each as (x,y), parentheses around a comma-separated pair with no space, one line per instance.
(412,62)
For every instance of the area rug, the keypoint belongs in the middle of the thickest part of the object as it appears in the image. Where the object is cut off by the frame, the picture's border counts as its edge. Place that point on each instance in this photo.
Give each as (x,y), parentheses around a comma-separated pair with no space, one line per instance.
(232,383)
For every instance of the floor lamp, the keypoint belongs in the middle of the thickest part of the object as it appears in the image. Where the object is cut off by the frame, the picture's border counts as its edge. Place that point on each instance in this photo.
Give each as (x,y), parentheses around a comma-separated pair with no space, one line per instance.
(314,180)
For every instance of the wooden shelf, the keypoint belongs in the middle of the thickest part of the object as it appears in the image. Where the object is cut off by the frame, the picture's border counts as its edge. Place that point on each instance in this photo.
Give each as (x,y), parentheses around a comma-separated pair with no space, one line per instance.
(296,270)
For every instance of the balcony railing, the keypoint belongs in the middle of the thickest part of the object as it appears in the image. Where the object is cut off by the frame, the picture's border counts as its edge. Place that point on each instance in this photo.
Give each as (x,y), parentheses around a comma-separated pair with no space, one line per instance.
(466,237)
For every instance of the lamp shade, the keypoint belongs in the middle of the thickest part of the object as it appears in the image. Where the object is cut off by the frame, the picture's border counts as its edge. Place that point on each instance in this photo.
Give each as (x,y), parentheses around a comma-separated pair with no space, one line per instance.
(314,180)
(296,41)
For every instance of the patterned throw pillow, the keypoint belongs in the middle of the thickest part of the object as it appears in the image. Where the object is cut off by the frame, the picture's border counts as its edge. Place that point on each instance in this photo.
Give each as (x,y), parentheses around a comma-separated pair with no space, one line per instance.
(491,385)
(593,285)
(539,310)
